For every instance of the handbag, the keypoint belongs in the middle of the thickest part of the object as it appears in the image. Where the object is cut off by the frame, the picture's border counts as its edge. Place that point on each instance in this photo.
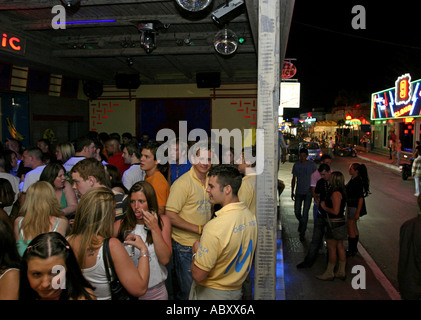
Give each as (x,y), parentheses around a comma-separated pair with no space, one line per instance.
(118,292)
(338,229)
(363,210)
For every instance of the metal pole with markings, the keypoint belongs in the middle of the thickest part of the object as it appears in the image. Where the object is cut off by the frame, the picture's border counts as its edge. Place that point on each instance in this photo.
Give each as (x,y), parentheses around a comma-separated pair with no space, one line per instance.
(271,51)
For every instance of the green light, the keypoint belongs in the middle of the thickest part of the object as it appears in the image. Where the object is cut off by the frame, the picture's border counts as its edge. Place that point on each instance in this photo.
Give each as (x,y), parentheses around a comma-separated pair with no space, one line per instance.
(241,40)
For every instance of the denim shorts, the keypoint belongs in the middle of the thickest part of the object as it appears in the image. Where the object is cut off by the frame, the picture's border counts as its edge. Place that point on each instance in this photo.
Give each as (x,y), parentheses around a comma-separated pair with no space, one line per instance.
(340,225)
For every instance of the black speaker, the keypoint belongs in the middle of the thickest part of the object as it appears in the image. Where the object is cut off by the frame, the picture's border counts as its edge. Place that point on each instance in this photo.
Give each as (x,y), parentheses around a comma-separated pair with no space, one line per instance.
(127,81)
(208,79)
(92,89)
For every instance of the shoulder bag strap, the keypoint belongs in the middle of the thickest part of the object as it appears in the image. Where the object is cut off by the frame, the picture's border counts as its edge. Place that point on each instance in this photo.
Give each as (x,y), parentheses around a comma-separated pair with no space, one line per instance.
(105,256)
(108,260)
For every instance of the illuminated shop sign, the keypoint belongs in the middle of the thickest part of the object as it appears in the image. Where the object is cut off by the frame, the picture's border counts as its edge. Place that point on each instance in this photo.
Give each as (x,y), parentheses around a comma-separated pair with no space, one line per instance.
(12,43)
(404,100)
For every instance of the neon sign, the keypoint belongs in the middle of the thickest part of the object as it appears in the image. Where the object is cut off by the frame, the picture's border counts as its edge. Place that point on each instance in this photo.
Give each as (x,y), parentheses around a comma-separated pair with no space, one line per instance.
(12,43)
(399,102)
(403,89)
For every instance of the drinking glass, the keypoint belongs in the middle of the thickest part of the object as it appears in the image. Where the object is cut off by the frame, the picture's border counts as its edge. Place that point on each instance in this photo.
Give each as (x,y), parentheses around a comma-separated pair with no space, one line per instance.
(129,247)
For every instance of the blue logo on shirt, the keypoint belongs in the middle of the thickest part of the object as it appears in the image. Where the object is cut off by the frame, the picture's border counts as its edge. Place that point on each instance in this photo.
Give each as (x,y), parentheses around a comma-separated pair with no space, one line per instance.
(240,263)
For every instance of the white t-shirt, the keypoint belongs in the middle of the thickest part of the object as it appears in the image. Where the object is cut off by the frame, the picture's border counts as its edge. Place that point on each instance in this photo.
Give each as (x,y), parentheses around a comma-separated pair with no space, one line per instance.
(31,177)
(132,175)
(71,162)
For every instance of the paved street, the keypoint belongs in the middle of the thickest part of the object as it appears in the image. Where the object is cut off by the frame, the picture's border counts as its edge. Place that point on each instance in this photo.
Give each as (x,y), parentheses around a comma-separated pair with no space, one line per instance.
(391,203)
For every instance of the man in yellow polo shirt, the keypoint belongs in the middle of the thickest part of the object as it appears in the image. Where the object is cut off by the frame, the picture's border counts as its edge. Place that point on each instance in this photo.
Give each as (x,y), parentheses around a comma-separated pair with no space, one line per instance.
(247,192)
(189,209)
(223,256)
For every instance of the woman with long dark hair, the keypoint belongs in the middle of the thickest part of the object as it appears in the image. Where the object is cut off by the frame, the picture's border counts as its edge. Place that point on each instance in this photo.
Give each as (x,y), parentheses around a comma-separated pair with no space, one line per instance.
(155,230)
(55,174)
(357,188)
(46,254)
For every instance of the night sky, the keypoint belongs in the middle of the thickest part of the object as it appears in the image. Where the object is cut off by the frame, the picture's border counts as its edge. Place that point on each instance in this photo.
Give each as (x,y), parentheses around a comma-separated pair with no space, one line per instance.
(333,56)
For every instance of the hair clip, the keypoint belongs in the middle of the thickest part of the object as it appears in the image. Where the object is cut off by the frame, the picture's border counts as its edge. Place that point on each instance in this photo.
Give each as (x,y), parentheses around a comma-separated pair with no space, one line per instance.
(67,247)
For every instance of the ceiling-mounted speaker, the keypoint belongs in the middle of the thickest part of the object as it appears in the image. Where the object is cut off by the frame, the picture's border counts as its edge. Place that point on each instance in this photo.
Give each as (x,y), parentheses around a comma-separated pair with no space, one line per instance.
(127,81)
(92,89)
(208,79)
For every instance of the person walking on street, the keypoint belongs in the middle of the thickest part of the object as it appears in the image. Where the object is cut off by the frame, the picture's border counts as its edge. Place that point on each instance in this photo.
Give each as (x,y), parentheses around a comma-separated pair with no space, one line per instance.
(331,146)
(301,178)
(416,173)
(319,228)
(391,140)
(397,154)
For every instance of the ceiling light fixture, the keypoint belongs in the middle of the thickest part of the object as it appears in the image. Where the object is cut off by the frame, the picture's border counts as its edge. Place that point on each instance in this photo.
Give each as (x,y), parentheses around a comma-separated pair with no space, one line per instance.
(193,5)
(147,37)
(225,42)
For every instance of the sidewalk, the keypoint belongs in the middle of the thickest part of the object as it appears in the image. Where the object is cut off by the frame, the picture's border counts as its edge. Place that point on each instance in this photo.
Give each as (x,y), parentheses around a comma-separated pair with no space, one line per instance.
(380,158)
(301,284)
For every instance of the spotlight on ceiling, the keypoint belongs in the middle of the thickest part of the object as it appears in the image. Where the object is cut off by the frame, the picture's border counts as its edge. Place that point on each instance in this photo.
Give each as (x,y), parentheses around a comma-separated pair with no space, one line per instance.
(193,5)
(227,12)
(225,42)
(147,37)
(70,3)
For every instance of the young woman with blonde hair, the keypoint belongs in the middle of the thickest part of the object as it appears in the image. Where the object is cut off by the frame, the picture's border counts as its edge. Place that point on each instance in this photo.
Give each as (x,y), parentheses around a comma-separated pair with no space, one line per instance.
(40,213)
(64,151)
(93,224)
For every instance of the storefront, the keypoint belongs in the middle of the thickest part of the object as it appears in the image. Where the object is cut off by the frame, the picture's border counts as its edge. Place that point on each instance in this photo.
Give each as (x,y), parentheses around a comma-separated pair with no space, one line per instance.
(397,110)
(323,130)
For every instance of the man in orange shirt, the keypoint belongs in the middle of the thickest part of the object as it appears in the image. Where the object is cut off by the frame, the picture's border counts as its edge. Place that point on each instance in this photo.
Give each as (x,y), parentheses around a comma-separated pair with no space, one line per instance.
(149,164)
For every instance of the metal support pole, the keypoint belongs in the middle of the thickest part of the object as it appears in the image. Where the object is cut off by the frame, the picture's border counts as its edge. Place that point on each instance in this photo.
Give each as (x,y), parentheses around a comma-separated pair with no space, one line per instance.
(270,55)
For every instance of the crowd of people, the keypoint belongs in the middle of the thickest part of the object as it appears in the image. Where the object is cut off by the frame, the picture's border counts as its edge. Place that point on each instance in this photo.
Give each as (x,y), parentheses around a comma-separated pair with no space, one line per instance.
(174,230)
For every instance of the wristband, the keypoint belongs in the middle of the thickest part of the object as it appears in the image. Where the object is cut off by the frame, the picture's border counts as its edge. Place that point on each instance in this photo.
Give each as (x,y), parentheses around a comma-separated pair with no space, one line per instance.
(200,229)
(145,254)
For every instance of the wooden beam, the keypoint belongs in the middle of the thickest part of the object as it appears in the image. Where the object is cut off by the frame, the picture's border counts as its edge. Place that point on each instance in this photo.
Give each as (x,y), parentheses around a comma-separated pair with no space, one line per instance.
(253,18)
(45,24)
(130,52)
(42,4)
